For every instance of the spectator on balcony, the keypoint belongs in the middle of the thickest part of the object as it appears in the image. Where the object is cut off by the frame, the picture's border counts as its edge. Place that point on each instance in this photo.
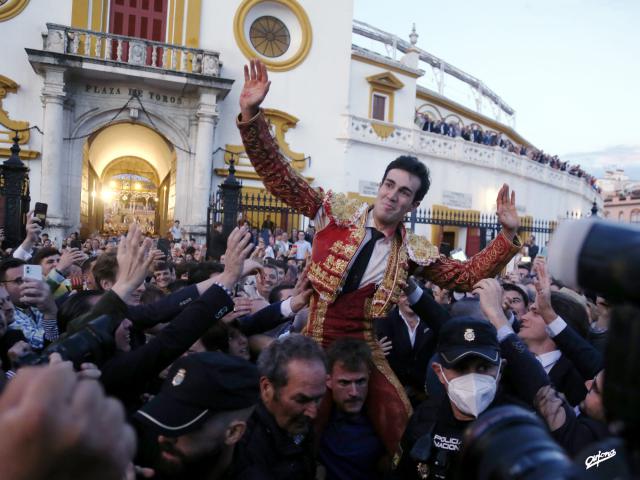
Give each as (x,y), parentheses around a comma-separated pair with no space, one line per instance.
(428,124)
(466,133)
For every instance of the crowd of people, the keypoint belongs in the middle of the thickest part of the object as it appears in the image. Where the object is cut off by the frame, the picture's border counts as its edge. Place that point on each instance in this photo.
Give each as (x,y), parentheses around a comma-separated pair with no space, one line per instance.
(266,360)
(474,133)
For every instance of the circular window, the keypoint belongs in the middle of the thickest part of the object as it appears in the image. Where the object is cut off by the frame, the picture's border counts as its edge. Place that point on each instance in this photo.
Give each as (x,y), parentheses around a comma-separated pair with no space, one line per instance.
(276,31)
(11,8)
(269,36)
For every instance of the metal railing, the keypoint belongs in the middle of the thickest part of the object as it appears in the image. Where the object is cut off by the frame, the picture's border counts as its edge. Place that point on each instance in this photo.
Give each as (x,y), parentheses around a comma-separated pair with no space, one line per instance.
(418,141)
(258,208)
(440,66)
(130,50)
(265,211)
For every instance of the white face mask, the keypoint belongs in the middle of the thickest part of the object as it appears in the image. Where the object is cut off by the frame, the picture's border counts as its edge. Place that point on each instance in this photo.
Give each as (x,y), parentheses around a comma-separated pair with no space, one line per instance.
(472,393)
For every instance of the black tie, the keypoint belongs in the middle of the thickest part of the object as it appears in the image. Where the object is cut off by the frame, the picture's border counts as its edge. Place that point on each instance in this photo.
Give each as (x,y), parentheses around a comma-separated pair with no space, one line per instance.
(360,263)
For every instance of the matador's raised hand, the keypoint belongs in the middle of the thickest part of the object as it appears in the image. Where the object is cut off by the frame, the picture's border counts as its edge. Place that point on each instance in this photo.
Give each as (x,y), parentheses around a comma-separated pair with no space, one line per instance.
(506,211)
(256,87)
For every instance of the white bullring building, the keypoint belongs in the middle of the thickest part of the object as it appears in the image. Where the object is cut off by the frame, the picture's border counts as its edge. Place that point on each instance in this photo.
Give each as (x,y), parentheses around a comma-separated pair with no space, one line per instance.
(137,101)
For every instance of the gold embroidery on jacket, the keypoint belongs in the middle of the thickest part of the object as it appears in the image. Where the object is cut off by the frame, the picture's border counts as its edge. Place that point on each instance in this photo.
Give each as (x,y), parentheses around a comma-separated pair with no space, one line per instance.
(315,323)
(420,250)
(344,211)
(379,360)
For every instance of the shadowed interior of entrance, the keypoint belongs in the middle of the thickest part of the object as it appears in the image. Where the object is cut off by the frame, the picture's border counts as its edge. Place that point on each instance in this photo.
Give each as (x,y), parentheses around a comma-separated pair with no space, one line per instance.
(128,175)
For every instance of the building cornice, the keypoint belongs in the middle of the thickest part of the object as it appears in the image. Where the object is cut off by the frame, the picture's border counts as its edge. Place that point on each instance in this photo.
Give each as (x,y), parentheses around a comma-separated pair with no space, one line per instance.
(108,69)
(366,56)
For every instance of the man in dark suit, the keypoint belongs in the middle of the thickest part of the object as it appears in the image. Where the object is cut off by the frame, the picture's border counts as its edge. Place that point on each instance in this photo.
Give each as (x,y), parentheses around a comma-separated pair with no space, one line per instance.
(413,338)
(533,248)
(535,334)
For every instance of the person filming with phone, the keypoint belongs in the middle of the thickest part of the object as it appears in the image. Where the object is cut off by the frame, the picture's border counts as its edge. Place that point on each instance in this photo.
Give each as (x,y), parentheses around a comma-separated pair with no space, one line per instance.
(35,309)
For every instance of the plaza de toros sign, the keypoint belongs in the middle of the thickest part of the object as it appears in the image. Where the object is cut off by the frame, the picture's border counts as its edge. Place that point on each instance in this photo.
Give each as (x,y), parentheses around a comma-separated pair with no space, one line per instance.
(129,92)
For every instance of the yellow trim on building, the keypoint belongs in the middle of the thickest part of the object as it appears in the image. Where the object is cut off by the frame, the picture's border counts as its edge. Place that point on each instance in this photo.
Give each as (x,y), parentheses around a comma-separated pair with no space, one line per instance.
(178,22)
(386,84)
(11,9)
(442,211)
(383,131)
(105,15)
(79,13)
(171,10)
(245,46)
(369,61)
(178,28)
(9,86)
(281,122)
(96,15)
(24,154)
(471,115)
(194,11)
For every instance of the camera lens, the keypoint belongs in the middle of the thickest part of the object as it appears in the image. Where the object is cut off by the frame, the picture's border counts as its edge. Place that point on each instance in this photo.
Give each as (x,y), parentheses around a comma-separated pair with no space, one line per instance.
(510,443)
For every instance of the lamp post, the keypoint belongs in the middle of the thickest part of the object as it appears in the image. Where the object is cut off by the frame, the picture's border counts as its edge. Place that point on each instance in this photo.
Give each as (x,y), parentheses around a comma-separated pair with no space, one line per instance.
(14,188)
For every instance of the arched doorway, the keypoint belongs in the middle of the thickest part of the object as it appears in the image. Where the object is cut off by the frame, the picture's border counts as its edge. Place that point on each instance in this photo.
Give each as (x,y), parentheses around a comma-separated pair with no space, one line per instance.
(128,175)
(129,194)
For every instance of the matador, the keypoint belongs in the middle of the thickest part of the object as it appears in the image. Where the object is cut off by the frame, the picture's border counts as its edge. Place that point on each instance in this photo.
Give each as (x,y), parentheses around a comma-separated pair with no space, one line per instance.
(344,228)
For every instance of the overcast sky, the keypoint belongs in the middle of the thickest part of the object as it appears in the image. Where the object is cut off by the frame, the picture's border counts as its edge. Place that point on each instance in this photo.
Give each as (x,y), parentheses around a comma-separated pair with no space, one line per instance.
(570,68)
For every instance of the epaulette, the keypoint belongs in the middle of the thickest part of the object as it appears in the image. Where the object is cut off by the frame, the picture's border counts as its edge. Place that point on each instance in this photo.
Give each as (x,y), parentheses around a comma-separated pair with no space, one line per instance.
(343,210)
(421,250)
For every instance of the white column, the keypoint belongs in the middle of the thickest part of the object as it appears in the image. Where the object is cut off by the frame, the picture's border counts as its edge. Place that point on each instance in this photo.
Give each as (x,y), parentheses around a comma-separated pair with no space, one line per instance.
(207,115)
(52,180)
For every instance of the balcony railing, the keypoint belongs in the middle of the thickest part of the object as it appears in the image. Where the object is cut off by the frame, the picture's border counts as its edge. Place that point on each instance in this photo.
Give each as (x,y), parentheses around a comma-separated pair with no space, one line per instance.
(125,50)
(433,144)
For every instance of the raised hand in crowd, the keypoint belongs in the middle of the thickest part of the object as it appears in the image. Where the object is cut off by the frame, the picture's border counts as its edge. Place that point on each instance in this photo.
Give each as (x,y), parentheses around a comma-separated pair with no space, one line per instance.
(68,258)
(252,267)
(542,282)
(133,262)
(32,237)
(238,248)
(56,426)
(506,211)
(255,89)
(513,277)
(490,292)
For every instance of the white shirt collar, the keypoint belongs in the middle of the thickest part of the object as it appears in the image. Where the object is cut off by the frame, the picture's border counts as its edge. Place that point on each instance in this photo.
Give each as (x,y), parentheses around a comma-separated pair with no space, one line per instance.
(372,224)
(412,331)
(549,359)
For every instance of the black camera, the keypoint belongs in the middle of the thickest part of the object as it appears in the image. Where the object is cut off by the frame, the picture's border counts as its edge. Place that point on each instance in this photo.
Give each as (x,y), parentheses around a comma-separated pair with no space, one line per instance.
(509,442)
(597,255)
(95,343)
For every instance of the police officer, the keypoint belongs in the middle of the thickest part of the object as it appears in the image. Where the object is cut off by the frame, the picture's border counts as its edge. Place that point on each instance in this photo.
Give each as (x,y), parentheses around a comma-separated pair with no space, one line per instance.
(468,366)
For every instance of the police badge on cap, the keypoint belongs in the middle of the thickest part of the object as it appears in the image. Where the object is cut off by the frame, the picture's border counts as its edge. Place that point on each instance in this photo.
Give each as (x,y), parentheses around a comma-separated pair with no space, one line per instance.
(179,377)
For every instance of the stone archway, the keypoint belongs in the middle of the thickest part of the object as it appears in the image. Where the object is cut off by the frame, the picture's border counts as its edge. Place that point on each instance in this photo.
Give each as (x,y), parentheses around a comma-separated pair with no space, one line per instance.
(126,168)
